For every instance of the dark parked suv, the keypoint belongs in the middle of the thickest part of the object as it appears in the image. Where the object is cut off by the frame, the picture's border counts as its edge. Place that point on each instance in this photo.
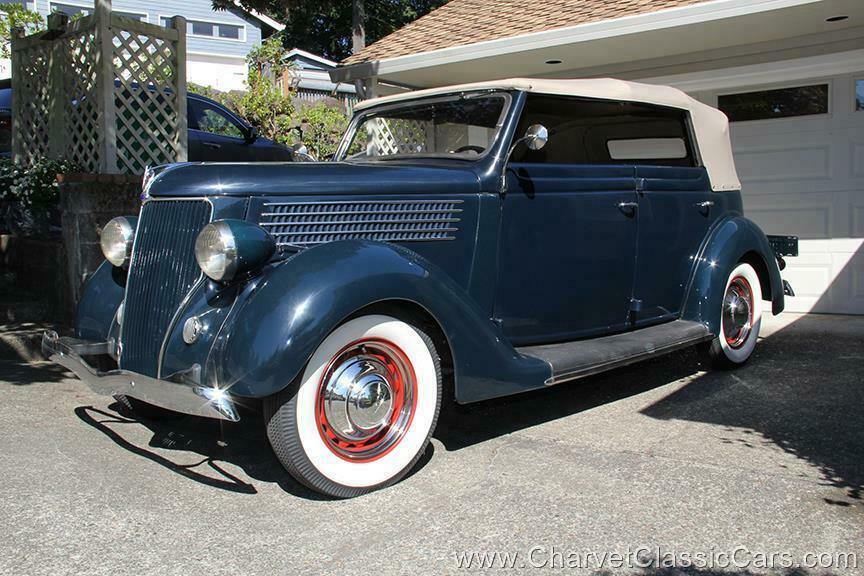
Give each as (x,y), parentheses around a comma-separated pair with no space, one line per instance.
(216,134)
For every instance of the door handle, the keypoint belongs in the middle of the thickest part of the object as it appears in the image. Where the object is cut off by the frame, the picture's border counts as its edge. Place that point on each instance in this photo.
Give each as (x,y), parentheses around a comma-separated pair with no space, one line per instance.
(705,204)
(211,145)
(627,207)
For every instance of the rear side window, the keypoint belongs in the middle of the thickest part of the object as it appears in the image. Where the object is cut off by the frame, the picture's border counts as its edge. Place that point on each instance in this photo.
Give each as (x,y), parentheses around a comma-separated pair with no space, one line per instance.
(602,132)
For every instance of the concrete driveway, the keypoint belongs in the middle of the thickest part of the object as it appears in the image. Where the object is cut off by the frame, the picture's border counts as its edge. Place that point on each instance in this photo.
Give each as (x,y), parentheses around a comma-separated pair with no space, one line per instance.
(661,461)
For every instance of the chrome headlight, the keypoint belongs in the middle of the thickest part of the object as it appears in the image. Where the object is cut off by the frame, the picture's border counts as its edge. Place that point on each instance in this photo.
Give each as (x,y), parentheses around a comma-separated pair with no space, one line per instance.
(226,248)
(116,240)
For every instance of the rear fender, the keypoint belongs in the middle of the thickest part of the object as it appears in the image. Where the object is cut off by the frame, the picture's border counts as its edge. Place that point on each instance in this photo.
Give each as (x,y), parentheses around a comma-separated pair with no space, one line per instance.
(732,241)
(269,337)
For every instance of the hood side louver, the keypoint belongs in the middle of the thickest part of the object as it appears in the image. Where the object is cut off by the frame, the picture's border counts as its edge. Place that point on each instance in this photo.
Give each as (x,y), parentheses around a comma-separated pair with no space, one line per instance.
(311,223)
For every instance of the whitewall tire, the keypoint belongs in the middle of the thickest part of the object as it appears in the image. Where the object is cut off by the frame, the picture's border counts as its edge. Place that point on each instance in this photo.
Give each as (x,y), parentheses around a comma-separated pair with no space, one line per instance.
(364,409)
(740,318)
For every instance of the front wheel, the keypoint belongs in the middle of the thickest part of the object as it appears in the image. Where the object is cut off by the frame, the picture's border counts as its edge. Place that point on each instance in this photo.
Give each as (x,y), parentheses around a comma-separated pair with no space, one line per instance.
(362,413)
(740,319)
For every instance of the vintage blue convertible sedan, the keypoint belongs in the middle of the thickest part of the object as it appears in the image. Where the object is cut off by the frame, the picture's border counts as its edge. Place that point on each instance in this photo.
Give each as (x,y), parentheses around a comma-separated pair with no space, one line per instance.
(467,243)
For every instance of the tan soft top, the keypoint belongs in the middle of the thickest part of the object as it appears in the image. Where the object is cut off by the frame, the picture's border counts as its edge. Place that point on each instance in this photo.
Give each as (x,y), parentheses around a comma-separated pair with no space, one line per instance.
(711,125)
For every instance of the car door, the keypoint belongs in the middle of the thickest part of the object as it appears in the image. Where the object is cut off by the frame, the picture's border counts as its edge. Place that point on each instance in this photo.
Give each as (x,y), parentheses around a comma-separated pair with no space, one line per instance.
(215,135)
(675,210)
(567,246)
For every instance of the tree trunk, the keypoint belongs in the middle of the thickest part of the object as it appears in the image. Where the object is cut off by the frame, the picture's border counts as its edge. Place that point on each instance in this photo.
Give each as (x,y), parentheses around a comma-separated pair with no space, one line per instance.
(358,26)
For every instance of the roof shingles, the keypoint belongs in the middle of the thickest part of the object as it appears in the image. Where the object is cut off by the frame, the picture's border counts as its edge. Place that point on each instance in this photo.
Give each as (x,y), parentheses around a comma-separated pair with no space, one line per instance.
(461,22)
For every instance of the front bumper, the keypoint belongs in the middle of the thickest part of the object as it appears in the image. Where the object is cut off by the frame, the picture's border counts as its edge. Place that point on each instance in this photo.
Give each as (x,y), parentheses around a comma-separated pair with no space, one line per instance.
(180,392)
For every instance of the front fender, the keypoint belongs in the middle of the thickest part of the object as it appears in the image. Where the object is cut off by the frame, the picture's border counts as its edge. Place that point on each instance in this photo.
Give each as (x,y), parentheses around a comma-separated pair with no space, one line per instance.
(100,299)
(731,241)
(269,337)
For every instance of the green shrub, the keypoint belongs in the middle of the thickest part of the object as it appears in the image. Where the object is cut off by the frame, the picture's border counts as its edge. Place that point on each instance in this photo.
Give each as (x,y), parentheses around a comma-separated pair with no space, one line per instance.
(34,187)
(319,125)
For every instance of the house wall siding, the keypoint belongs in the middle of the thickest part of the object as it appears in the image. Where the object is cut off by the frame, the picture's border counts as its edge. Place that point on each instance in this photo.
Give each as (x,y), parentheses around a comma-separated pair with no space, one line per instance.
(191,10)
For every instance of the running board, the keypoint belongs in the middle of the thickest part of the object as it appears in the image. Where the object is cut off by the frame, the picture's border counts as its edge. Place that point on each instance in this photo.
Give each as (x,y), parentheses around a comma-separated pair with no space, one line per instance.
(572,360)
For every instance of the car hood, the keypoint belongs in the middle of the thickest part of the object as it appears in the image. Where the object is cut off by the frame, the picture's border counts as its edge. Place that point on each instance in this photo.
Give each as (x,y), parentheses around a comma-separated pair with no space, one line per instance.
(309,178)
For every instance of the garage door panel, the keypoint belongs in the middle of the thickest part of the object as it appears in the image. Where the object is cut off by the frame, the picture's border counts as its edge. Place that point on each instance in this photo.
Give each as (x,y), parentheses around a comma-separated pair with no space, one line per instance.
(768,163)
(857,163)
(805,176)
(802,222)
(857,216)
(810,277)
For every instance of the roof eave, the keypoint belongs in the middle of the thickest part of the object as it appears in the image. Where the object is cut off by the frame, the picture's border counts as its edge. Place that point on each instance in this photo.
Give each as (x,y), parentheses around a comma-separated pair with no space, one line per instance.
(667,18)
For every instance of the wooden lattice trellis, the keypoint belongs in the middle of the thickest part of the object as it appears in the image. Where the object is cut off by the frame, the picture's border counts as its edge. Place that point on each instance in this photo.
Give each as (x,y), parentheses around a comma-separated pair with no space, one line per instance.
(390,136)
(105,91)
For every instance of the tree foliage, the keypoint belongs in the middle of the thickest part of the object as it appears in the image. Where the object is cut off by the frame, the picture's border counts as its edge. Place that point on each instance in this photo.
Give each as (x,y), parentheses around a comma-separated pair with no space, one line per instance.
(324,27)
(17,16)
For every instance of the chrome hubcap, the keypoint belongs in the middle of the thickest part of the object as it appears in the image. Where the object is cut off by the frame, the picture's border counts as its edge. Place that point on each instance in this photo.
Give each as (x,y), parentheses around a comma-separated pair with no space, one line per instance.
(366,400)
(358,397)
(737,312)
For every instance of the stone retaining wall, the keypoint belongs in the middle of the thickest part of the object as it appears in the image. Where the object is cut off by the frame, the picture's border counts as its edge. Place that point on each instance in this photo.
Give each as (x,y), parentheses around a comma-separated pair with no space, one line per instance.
(41,277)
(88,202)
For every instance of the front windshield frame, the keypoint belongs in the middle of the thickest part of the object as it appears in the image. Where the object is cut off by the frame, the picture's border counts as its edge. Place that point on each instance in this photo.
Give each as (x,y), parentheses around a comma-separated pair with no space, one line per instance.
(358,119)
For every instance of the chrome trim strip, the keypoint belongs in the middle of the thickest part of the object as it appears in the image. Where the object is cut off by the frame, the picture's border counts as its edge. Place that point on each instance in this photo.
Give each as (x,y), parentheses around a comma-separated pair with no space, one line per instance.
(319,242)
(374,231)
(418,201)
(175,319)
(355,222)
(350,212)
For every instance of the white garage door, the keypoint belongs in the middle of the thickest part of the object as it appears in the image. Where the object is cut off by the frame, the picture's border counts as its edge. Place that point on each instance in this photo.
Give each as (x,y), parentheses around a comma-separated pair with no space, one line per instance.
(799,149)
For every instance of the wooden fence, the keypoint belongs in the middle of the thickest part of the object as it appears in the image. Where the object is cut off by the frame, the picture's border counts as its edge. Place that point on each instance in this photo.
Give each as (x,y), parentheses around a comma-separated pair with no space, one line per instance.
(104,91)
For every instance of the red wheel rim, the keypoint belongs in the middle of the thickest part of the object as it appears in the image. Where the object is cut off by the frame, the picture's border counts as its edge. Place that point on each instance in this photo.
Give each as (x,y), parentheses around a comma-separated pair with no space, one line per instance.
(366,400)
(737,315)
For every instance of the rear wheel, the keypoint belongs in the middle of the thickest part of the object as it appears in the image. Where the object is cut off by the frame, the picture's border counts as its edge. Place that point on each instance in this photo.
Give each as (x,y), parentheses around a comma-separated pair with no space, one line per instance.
(740,318)
(362,412)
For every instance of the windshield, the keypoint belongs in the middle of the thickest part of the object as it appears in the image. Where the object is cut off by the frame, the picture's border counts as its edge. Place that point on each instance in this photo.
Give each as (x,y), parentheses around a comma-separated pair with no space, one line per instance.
(454,127)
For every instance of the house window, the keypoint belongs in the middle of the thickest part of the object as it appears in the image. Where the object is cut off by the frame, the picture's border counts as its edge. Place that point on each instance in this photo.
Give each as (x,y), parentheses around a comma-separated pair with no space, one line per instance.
(209,29)
(602,132)
(859,95)
(74,11)
(777,103)
(71,10)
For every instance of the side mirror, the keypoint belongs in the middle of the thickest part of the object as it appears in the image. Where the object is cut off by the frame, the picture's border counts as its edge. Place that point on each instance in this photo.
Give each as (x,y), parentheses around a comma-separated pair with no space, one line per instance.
(251,134)
(536,136)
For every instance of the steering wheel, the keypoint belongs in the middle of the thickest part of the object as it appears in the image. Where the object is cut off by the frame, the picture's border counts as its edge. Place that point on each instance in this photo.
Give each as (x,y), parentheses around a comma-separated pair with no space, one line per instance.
(469,148)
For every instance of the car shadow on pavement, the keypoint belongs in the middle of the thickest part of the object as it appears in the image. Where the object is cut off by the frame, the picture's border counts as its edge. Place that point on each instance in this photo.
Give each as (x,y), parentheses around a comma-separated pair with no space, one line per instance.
(214,441)
(802,391)
(243,445)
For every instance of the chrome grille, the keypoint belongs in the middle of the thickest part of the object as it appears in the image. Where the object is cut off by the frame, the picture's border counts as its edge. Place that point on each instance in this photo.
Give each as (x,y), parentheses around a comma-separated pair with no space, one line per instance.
(162,272)
(309,223)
